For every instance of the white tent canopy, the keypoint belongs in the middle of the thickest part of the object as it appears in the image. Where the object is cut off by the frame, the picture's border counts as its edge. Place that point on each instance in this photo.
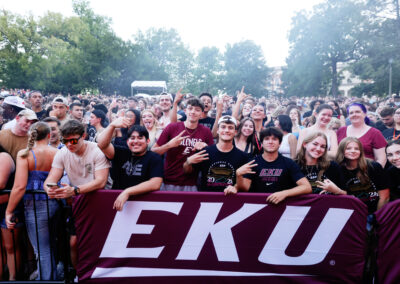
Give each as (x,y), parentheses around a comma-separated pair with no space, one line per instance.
(148,86)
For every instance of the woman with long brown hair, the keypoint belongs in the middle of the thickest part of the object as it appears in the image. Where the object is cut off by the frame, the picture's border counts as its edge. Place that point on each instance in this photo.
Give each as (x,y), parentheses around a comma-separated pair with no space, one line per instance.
(324,175)
(364,178)
(245,138)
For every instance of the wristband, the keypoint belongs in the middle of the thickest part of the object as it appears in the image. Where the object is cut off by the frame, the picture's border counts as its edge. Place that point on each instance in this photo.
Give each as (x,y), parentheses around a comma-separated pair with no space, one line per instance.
(77,190)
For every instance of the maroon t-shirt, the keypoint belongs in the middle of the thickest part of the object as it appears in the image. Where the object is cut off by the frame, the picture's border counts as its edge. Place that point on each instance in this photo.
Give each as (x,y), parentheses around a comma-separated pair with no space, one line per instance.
(175,157)
(371,140)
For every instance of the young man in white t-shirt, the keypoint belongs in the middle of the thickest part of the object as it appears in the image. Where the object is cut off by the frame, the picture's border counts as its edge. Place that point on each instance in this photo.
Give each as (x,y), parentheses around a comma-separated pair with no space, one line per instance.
(85,164)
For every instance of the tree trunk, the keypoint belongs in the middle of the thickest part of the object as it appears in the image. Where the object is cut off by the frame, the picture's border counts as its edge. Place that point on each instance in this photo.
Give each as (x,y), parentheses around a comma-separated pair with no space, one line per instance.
(334,90)
(398,19)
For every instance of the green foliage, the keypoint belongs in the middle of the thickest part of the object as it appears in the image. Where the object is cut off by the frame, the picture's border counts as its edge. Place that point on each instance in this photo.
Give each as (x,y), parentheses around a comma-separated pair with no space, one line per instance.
(383,44)
(245,66)
(207,72)
(334,32)
(56,54)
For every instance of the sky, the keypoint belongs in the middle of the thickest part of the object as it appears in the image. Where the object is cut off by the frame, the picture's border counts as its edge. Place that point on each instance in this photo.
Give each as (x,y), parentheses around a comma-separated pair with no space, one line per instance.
(199,23)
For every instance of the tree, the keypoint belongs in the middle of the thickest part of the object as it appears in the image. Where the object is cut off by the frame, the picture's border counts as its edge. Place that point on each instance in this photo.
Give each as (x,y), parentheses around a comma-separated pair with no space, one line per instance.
(19,49)
(383,45)
(207,72)
(171,55)
(245,66)
(334,32)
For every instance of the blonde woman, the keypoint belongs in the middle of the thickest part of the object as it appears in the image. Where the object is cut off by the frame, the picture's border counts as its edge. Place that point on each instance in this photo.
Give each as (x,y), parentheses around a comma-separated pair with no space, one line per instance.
(324,175)
(149,120)
(32,167)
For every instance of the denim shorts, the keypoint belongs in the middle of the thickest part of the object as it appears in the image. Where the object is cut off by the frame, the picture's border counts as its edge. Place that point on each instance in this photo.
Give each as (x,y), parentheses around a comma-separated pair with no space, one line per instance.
(18,213)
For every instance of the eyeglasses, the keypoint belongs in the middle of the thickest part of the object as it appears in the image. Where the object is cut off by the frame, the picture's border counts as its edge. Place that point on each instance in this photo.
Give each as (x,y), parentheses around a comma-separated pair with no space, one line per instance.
(73,141)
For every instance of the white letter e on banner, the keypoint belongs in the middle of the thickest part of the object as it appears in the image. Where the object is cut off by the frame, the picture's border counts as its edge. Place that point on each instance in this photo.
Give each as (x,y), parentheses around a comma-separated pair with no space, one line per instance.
(125,225)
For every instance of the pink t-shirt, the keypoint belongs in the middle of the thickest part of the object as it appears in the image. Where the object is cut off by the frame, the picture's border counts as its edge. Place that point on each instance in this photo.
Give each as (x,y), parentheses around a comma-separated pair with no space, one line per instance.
(372,139)
(175,157)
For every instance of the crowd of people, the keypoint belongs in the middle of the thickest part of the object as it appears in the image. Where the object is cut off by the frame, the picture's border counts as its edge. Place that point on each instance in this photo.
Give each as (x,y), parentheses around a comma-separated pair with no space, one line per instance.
(65,146)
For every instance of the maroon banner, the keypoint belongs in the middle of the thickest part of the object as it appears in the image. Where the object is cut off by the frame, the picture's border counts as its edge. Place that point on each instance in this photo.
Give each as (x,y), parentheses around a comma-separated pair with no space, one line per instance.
(388,232)
(208,237)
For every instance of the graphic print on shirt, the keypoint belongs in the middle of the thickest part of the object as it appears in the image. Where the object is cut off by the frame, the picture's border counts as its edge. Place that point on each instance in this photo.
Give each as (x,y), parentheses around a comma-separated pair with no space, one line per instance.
(366,192)
(270,176)
(188,143)
(220,173)
(132,169)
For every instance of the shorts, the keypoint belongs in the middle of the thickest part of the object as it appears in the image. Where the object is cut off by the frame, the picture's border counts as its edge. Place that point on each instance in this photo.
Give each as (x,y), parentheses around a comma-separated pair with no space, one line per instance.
(18,213)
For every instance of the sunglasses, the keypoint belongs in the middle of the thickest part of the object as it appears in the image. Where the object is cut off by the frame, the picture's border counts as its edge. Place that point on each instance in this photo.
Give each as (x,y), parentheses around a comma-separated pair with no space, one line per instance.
(73,141)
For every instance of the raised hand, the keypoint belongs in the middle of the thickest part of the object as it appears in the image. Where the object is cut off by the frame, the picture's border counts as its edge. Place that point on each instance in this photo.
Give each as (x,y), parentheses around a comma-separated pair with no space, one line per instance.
(176,141)
(178,96)
(198,157)
(246,168)
(242,96)
(121,122)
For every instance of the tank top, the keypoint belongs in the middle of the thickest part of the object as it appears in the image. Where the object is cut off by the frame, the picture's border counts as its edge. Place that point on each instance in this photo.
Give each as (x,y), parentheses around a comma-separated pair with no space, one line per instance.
(35,182)
(284,149)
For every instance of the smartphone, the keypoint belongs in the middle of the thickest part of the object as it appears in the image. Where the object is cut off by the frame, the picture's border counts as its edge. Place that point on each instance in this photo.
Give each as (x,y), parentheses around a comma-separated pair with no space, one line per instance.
(52,184)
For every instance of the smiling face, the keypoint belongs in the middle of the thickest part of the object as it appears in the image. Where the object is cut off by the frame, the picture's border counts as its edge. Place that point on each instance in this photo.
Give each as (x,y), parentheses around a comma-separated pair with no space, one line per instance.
(165,102)
(137,144)
(226,131)
(193,113)
(316,148)
(247,128)
(324,116)
(393,155)
(148,119)
(356,115)
(352,151)
(258,112)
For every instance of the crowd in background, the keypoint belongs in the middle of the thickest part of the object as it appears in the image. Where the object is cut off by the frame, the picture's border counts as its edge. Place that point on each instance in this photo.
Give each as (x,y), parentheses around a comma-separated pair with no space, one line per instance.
(70,145)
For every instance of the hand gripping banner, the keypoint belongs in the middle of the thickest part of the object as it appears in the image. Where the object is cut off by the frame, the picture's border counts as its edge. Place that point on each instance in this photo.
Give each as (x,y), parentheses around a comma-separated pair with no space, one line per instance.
(178,237)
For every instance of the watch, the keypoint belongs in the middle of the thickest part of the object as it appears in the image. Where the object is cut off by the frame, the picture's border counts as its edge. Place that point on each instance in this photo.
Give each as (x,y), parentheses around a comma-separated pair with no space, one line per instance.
(77,190)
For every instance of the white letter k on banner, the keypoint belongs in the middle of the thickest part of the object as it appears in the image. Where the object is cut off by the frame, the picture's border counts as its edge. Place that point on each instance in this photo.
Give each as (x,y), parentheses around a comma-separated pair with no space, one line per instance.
(221,232)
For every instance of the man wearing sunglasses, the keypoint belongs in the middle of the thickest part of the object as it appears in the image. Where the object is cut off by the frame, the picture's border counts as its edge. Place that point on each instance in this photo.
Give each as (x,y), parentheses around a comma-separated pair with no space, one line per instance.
(85,165)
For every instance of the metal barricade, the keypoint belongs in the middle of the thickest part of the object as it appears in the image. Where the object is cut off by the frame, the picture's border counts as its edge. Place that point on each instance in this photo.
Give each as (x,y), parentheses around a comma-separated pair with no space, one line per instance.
(48,237)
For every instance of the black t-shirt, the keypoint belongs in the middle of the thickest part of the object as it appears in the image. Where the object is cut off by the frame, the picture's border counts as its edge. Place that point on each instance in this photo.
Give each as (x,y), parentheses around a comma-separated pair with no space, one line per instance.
(132,170)
(219,171)
(367,193)
(332,173)
(207,122)
(41,114)
(380,126)
(270,177)
(391,133)
(394,182)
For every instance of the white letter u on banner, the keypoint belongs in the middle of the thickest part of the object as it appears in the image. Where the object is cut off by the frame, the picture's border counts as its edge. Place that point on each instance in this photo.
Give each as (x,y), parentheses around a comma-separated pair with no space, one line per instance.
(320,244)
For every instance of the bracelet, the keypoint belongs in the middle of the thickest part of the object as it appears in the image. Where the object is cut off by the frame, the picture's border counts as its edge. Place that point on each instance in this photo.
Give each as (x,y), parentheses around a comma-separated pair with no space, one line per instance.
(187,162)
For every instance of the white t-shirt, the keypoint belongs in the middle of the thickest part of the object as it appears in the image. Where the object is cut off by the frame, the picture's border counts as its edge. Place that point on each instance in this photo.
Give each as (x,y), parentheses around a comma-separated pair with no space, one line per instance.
(81,169)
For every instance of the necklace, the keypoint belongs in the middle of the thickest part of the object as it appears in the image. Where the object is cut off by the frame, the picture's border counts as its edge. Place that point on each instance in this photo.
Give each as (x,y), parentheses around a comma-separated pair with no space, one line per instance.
(310,169)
